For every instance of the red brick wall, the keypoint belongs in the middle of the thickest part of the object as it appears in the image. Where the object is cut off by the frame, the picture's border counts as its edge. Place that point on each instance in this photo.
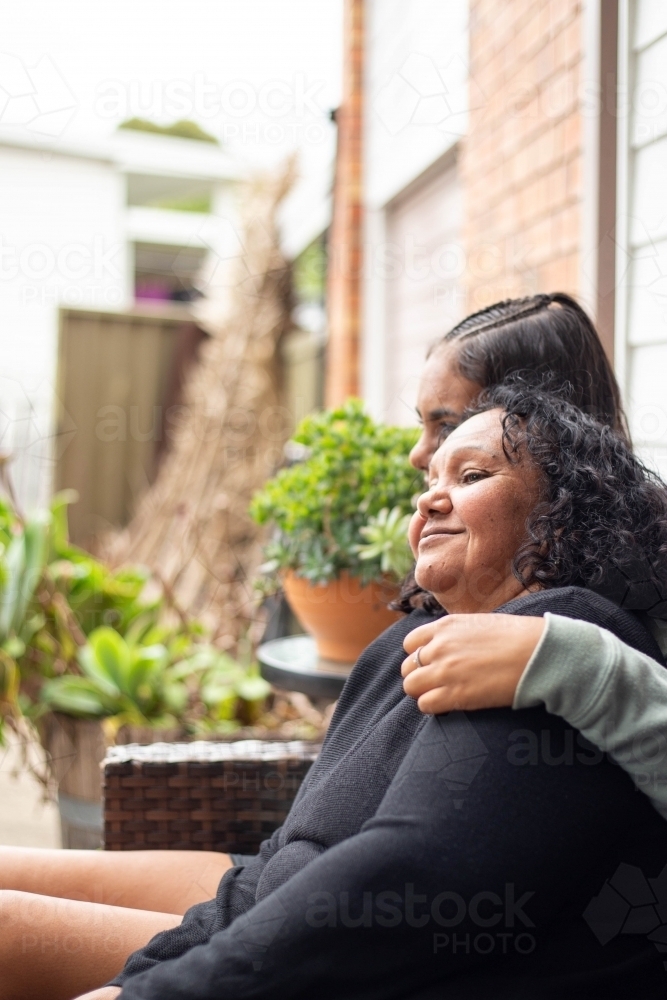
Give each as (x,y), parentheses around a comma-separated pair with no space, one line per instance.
(345,240)
(521,162)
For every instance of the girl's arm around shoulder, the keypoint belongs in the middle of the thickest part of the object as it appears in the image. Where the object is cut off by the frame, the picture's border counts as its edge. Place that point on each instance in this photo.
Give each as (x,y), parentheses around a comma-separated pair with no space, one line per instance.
(615,696)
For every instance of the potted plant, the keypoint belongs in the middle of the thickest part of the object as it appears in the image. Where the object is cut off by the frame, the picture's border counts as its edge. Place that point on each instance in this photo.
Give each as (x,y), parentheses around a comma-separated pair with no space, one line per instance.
(90,656)
(340,515)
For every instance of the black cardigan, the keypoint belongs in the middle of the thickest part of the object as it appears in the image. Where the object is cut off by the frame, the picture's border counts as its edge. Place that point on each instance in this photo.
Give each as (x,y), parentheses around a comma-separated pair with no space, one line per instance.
(450,856)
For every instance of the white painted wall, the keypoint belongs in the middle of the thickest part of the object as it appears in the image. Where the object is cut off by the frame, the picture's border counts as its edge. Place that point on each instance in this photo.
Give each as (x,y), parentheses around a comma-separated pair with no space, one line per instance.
(641,348)
(66,239)
(416,89)
(306,211)
(62,240)
(415,112)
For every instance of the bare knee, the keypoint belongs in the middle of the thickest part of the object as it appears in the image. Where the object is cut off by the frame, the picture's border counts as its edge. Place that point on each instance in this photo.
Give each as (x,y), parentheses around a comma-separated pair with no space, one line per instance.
(14,906)
(39,926)
(22,917)
(21,938)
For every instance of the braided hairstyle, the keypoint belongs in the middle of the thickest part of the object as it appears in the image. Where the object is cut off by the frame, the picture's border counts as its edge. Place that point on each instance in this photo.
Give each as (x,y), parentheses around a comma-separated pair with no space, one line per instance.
(541,335)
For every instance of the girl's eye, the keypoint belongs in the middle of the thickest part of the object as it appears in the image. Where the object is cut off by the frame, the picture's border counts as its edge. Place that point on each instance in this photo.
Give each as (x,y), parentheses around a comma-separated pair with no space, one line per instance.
(444,431)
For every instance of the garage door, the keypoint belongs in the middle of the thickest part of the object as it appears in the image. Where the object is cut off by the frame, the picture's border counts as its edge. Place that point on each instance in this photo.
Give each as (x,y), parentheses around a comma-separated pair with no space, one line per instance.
(424,266)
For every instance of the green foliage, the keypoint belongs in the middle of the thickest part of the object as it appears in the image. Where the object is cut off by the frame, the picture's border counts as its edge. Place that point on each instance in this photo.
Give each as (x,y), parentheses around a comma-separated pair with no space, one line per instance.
(23,552)
(82,639)
(142,682)
(187,203)
(353,469)
(182,129)
(309,273)
(387,540)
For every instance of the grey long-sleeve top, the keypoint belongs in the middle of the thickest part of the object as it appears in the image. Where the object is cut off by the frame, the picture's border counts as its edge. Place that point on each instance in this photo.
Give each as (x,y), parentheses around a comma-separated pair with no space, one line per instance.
(614,695)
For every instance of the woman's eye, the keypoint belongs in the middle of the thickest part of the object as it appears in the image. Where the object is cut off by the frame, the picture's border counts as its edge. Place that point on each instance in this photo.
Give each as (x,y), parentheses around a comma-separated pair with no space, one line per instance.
(473,477)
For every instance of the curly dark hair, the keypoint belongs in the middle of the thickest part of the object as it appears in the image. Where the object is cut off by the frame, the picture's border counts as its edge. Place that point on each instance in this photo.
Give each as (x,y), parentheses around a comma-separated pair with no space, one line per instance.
(602,519)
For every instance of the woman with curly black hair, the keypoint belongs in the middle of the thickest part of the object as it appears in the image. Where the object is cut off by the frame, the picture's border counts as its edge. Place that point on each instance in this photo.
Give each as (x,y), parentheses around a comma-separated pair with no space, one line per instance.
(616,697)
(463,856)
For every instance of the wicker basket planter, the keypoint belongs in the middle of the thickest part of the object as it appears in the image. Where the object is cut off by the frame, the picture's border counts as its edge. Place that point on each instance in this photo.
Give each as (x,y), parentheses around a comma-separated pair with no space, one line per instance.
(200,796)
(76,749)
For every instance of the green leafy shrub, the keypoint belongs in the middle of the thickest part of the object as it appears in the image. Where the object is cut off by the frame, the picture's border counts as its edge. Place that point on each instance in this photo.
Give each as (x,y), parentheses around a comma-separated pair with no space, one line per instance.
(80,638)
(141,681)
(352,469)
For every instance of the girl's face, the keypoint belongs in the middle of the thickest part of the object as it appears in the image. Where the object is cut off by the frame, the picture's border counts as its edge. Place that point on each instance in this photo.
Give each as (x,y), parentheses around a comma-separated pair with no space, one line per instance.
(443,396)
(472,519)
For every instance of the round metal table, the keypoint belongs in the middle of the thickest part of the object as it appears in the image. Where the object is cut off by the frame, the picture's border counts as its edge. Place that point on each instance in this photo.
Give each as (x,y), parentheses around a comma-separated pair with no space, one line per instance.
(292,663)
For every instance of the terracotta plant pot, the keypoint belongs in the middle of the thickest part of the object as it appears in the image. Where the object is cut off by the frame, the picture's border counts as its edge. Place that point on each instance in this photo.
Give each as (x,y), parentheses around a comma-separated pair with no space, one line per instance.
(76,748)
(343,616)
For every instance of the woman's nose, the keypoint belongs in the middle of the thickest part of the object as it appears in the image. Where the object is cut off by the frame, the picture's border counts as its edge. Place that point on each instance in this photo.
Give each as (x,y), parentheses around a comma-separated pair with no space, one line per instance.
(436,499)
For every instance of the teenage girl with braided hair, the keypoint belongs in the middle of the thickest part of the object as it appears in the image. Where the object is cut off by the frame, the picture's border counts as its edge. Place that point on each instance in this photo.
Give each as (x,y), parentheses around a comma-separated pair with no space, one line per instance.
(542,334)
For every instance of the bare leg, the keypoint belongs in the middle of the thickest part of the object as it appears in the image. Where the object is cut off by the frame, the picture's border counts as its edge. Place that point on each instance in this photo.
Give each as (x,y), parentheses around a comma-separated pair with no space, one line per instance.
(60,948)
(162,881)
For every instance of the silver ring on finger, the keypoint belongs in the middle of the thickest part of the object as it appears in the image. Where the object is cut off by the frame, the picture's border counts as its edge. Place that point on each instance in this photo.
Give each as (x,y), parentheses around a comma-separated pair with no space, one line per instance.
(418,657)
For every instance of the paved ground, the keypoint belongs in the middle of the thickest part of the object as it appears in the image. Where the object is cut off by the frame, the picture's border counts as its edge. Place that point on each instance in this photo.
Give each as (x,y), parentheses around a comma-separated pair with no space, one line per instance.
(25,820)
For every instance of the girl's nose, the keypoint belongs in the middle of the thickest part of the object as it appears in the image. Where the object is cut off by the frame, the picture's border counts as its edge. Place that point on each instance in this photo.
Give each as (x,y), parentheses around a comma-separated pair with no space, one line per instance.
(422,452)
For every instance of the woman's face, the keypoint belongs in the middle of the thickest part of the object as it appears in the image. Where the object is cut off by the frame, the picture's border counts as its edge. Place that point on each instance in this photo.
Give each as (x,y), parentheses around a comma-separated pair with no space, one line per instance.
(443,396)
(472,519)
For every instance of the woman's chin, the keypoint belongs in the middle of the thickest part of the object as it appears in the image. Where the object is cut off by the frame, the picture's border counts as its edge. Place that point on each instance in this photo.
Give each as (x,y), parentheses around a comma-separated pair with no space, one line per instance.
(432,579)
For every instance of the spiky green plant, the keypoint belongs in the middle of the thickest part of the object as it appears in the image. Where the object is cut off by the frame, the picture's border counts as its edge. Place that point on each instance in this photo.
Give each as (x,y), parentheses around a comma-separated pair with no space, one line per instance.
(386,537)
(351,468)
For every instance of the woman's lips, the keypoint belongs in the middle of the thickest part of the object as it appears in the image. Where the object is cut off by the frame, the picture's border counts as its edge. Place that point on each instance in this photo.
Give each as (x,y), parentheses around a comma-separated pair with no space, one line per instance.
(428,533)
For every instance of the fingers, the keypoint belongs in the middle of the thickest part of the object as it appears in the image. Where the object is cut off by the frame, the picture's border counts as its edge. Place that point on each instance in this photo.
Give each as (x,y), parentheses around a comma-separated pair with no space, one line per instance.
(438,701)
(421,658)
(468,662)
(418,681)
(421,636)
(410,663)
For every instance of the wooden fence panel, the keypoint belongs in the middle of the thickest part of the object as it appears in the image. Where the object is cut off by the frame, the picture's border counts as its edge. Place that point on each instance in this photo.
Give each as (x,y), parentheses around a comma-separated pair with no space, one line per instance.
(118,373)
